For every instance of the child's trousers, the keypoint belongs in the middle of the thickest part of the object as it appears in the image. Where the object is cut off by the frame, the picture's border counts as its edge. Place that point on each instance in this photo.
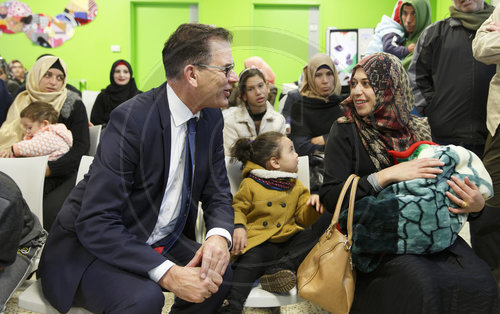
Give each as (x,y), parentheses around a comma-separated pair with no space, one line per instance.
(269,257)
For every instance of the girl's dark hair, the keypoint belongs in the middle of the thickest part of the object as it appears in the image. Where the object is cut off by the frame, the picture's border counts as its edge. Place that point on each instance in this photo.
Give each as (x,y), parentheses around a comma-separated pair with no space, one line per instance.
(38,111)
(245,75)
(259,151)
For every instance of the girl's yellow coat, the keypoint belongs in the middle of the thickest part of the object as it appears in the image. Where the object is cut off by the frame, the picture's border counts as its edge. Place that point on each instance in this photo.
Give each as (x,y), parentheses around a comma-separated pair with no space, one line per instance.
(270,214)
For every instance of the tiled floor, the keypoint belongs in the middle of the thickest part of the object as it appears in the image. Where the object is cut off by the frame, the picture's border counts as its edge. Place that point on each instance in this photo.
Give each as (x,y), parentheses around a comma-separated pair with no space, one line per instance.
(299,308)
(303,307)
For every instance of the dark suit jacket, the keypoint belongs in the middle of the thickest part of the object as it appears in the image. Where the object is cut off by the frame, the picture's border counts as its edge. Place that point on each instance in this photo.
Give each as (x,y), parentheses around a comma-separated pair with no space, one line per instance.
(111,213)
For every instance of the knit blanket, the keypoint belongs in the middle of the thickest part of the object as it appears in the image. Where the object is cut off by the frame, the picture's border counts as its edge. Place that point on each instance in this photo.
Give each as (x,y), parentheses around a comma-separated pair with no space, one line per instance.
(412,217)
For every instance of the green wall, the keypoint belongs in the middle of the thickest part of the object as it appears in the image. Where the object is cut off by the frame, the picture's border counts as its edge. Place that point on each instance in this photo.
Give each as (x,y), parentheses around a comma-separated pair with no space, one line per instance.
(89,56)
(88,53)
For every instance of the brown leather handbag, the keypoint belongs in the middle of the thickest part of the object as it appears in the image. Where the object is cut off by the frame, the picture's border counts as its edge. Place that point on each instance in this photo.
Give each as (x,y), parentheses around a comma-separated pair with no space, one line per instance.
(326,276)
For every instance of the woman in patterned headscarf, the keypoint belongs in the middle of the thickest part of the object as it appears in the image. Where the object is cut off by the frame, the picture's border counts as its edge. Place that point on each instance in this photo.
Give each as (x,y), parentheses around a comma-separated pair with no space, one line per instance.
(377,119)
(380,104)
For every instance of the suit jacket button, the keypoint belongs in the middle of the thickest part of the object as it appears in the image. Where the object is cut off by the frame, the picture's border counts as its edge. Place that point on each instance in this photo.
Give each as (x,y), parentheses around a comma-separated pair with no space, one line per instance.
(264,223)
(269,204)
(278,225)
(283,204)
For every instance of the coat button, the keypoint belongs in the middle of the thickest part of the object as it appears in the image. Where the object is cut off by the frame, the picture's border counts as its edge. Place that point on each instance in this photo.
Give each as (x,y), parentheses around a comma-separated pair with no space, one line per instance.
(283,204)
(264,223)
(269,204)
(278,225)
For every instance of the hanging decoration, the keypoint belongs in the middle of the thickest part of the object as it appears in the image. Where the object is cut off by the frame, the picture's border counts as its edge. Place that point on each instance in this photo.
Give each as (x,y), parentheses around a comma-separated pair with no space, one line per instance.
(43,29)
(13,16)
(84,11)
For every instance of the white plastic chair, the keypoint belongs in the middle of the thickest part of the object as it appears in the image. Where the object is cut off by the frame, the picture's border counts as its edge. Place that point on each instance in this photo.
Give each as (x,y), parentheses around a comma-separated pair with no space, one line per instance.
(286,87)
(85,163)
(29,175)
(303,173)
(88,98)
(259,297)
(95,136)
(32,299)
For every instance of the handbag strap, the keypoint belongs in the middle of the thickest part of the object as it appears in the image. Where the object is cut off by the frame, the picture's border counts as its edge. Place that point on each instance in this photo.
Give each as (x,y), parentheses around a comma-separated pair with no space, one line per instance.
(340,200)
(354,180)
(350,215)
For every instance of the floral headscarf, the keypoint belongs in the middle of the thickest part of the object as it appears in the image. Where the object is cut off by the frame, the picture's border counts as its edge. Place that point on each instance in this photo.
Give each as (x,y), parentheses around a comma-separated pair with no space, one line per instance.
(390,126)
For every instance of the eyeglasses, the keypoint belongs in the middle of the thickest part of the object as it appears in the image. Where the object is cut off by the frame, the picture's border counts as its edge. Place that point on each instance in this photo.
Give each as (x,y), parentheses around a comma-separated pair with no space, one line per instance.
(226,70)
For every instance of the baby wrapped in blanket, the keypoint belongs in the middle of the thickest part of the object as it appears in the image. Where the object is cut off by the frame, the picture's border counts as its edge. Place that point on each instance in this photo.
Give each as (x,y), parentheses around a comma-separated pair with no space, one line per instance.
(412,217)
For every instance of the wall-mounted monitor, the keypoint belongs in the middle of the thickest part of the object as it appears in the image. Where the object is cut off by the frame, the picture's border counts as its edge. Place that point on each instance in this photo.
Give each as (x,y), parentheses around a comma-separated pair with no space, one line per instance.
(342,47)
(365,36)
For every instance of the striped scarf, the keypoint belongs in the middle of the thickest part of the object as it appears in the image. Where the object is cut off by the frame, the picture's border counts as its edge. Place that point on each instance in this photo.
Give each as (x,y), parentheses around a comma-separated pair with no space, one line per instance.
(279,184)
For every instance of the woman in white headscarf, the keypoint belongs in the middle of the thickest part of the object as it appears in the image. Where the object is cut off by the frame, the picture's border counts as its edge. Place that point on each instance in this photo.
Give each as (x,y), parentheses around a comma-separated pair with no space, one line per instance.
(46,81)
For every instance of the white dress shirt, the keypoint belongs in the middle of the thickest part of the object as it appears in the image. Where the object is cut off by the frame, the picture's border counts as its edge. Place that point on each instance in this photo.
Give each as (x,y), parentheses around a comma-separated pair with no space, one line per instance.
(171,203)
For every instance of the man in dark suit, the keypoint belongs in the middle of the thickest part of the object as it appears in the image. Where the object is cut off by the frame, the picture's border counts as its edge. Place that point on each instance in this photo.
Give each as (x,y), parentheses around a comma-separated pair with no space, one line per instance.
(125,232)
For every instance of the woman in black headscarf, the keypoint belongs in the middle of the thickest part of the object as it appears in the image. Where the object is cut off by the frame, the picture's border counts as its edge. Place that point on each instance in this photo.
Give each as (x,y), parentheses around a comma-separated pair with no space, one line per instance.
(122,88)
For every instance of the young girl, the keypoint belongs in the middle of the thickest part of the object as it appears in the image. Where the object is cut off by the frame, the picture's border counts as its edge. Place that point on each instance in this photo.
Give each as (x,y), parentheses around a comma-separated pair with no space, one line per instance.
(44,136)
(272,208)
(255,115)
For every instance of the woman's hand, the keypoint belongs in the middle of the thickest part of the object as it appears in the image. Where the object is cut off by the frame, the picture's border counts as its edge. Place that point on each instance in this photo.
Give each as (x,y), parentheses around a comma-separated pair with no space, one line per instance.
(314,202)
(239,240)
(6,154)
(469,198)
(409,170)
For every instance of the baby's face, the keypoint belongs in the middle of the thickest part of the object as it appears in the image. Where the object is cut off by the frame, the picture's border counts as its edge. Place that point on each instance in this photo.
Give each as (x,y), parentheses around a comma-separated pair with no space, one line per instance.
(31,126)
